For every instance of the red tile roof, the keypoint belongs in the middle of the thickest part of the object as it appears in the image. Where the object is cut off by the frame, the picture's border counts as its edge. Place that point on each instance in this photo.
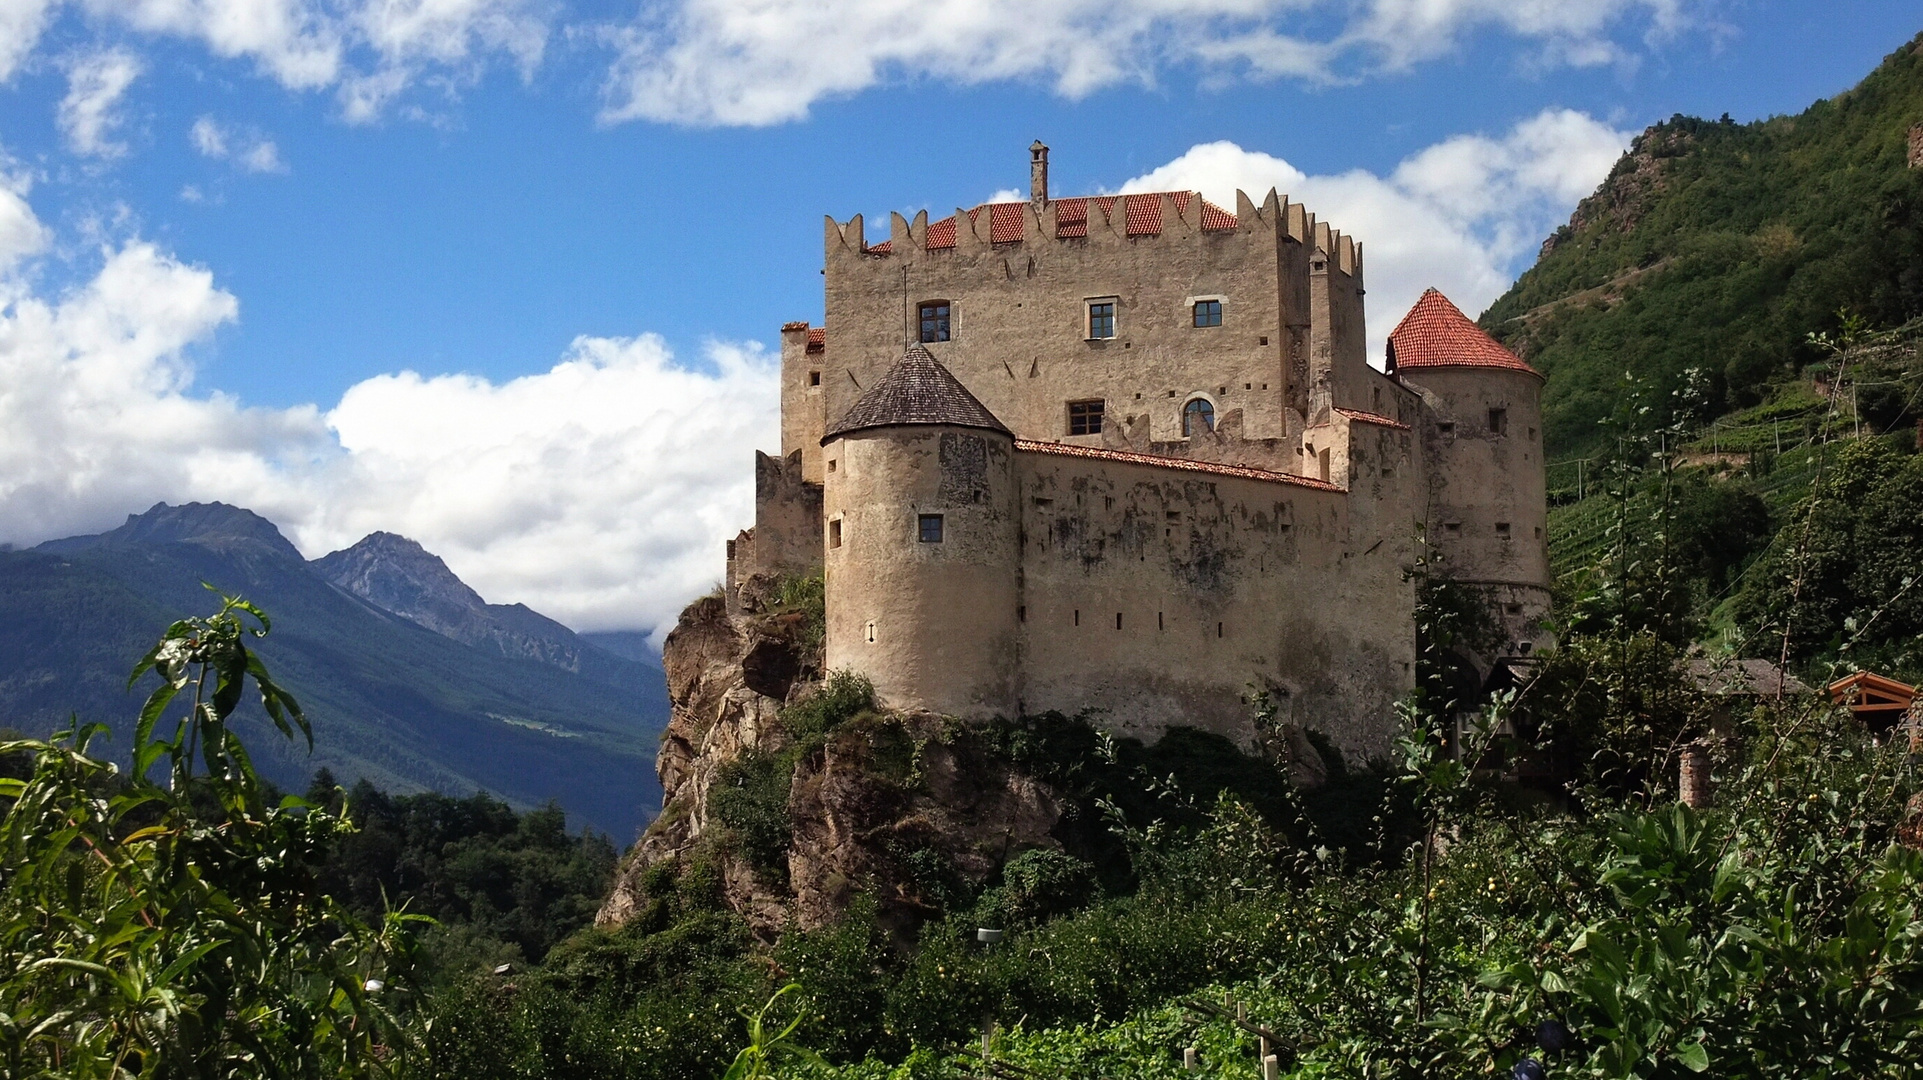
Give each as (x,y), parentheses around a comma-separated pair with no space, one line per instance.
(1143,217)
(817,338)
(883,248)
(1371,418)
(1435,333)
(1180,464)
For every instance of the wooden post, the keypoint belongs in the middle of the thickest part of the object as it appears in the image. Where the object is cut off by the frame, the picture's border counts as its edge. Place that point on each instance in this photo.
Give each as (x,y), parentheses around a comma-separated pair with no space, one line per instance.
(1190,1060)
(1271,1068)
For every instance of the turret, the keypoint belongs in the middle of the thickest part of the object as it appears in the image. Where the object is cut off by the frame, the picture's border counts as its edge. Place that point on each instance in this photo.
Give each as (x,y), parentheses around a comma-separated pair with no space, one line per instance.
(1482,429)
(923,544)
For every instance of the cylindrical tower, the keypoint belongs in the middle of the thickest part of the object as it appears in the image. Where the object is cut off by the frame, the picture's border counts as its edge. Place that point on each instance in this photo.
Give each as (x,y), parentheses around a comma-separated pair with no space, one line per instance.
(922,550)
(1488,516)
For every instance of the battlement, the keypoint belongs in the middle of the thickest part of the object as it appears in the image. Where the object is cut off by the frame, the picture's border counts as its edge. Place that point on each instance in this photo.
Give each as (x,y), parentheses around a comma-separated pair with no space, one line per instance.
(1097,218)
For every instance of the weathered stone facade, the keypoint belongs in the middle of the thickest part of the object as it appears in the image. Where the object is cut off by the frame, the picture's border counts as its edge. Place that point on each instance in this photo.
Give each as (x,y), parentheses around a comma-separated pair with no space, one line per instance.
(1245,513)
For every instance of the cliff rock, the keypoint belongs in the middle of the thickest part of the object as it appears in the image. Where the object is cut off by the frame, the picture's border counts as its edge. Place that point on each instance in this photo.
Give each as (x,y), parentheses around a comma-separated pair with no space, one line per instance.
(872,805)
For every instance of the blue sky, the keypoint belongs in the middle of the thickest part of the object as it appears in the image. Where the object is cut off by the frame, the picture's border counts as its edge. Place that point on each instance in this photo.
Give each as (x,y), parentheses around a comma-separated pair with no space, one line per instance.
(260,215)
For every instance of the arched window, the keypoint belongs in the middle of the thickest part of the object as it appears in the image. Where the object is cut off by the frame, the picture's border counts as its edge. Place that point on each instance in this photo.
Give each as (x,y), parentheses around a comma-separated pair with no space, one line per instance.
(1197,415)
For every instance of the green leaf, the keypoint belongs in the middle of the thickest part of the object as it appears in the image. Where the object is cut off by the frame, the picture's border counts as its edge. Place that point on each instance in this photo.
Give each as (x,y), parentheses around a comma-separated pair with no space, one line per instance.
(1693,1056)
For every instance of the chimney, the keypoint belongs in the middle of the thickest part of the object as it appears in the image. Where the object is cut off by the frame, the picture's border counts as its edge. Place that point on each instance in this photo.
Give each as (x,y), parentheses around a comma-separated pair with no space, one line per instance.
(1693,781)
(1038,175)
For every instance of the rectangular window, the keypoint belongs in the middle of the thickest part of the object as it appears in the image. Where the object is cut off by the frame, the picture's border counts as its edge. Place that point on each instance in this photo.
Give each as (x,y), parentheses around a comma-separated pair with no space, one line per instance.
(1502,528)
(1101,318)
(834,533)
(1446,427)
(1085,417)
(934,321)
(1498,421)
(1452,527)
(1208,313)
(931,528)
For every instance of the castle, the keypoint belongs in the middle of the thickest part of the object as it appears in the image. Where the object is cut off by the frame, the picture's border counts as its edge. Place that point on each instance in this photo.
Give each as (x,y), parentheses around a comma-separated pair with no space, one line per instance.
(1126,454)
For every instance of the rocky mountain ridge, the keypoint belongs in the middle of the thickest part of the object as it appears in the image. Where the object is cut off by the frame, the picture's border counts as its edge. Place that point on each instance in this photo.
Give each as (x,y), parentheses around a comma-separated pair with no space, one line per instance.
(405,705)
(397,574)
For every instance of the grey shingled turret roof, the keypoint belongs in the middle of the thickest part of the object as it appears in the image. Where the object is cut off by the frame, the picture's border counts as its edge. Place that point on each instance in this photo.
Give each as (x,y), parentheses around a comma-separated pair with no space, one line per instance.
(917,390)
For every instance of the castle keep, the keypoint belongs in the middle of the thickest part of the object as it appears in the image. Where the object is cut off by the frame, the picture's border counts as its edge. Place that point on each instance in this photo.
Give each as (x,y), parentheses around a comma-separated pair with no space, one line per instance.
(1126,454)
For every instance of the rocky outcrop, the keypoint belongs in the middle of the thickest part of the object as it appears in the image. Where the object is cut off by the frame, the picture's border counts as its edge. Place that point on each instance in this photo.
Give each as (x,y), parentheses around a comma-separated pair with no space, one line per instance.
(715,718)
(884,804)
(1632,186)
(889,799)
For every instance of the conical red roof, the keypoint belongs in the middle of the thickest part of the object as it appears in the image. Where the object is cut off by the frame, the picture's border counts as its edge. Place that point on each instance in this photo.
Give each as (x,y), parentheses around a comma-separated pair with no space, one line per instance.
(1435,333)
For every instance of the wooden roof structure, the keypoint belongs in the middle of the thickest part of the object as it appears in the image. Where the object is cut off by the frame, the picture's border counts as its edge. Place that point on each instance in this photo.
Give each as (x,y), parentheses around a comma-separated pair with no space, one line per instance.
(1877,701)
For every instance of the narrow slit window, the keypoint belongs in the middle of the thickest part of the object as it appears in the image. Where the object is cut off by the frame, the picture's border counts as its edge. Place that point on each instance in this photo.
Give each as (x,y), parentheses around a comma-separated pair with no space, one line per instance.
(1118,620)
(1085,417)
(1218,629)
(1101,319)
(1208,313)
(935,321)
(834,533)
(871,632)
(931,528)
(1159,625)
(1078,616)
(1021,613)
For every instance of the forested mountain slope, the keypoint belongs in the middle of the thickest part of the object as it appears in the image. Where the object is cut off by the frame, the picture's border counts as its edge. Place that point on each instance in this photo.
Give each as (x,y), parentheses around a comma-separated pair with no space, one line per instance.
(1718,247)
(391,701)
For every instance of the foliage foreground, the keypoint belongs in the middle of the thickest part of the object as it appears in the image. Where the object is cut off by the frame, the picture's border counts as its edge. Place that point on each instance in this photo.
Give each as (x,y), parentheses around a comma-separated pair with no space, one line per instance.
(176,920)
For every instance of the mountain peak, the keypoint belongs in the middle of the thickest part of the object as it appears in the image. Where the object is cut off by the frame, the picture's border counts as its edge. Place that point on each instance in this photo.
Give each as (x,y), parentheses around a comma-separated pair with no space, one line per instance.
(393,572)
(216,526)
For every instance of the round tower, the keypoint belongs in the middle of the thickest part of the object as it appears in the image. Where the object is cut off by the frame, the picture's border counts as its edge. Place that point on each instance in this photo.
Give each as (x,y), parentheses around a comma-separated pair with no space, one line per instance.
(922,545)
(1488,516)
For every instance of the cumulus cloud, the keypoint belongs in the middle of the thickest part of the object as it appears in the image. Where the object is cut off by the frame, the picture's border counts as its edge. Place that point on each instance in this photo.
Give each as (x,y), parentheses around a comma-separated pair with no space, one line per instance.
(1462,215)
(598,491)
(768,61)
(249,150)
(369,51)
(95,84)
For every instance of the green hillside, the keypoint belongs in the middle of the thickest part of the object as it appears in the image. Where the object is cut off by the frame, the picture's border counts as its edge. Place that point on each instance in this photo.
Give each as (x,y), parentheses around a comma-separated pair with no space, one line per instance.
(1718,247)
(391,702)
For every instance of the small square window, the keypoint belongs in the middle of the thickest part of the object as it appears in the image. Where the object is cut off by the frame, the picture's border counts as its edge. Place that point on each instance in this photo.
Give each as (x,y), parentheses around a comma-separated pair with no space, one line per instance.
(1085,417)
(1446,427)
(1208,313)
(1502,528)
(1498,421)
(831,464)
(931,528)
(1261,341)
(814,378)
(934,321)
(1101,319)
(834,533)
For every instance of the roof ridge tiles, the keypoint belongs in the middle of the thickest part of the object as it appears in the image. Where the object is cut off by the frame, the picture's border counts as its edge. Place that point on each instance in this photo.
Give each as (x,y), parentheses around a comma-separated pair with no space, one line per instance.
(1371,418)
(1246,472)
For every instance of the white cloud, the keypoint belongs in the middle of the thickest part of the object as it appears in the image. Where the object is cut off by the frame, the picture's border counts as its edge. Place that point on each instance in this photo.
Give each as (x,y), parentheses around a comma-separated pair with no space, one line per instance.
(249,150)
(95,84)
(369,51)
(768,61)
(1462,215)
(599,492)
(21,24)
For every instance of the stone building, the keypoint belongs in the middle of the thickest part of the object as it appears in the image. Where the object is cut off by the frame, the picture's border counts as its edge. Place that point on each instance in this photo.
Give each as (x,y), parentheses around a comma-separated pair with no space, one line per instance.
(1126,455)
